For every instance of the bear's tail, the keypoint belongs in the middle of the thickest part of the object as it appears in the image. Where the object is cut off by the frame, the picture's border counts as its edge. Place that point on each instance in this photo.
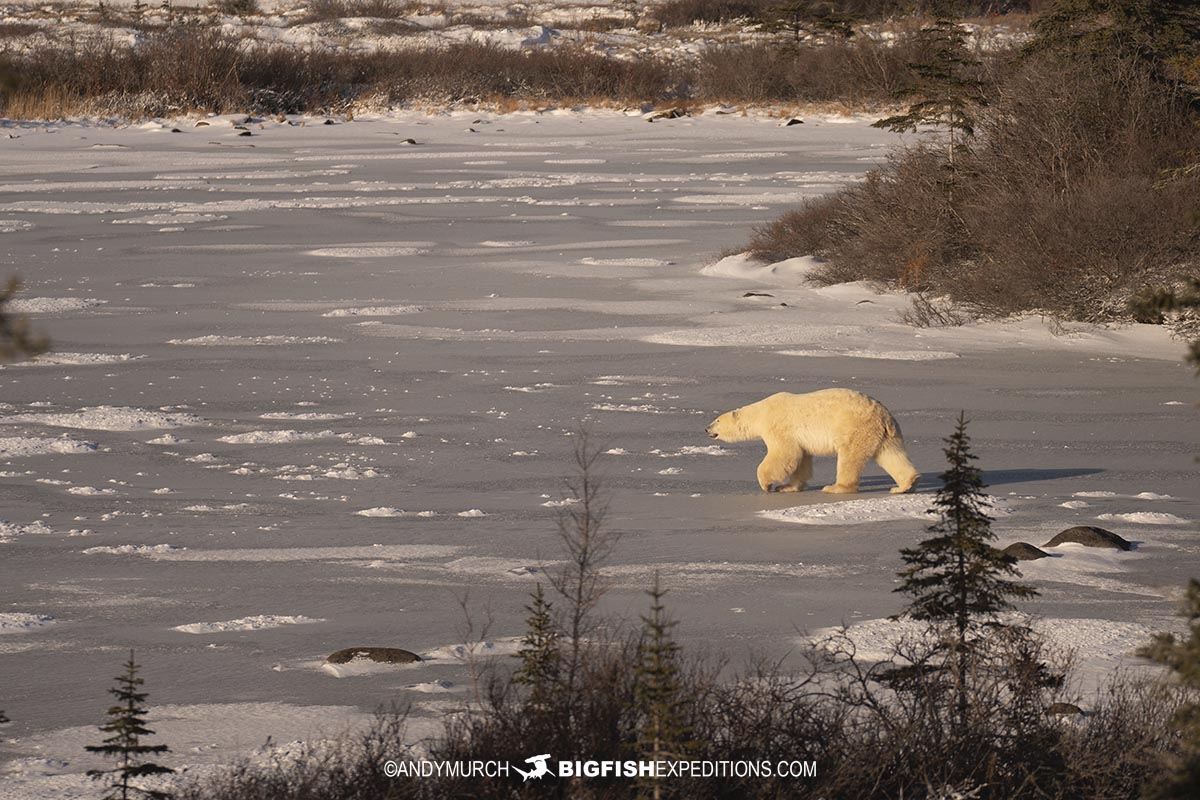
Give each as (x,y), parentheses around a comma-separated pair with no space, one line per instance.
(894,461)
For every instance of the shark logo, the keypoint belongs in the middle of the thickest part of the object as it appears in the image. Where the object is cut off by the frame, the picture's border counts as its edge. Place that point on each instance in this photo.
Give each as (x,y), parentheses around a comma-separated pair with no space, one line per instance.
(539,767)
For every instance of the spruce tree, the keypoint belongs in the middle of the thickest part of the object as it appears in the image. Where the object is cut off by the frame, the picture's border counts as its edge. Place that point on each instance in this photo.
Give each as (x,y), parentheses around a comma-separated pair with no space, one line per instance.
(127,726)
(956,578)
(663,733)
(1182,780)
(946,83)
(799,17)
(1164,34)
(539,654)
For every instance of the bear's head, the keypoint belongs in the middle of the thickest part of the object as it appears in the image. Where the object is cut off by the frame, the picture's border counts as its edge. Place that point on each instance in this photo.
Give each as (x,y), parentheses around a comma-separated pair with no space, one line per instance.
(726,428)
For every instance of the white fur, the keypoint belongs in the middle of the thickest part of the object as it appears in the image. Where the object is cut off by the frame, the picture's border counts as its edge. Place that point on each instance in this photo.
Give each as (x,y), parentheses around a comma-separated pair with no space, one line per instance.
(796,427)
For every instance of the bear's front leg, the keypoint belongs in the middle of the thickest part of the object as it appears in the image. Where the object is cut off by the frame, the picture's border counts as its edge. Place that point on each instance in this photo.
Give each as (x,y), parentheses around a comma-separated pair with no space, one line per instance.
(800,475)
(774,471)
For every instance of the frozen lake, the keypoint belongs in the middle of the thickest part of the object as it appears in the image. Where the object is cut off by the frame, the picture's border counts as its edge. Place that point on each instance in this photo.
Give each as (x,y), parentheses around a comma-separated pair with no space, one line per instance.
(257,338)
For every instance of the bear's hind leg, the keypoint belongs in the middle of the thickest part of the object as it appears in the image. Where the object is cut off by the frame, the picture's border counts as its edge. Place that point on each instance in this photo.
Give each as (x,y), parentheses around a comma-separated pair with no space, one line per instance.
(850,463)
(895,462)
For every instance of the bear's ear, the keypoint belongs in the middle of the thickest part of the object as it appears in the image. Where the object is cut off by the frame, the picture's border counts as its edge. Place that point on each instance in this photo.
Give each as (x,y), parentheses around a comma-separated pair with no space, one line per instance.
(735,415)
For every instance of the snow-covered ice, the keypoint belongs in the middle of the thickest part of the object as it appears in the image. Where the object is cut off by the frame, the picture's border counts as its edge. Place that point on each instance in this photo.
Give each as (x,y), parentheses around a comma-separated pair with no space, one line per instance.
(359,388)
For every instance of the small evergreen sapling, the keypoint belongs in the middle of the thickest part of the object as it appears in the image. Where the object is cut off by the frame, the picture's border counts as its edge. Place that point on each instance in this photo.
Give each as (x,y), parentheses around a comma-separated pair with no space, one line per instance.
(127,726)
(540,657)
(947,86)
(956,578)
(664,731)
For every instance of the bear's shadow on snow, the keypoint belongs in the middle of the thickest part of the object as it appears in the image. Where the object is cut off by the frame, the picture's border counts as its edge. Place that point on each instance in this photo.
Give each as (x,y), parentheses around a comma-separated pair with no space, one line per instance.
(930,481)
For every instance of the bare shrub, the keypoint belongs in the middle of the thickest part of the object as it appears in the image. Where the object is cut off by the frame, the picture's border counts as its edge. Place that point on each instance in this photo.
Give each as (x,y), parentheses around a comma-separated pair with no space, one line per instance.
(193,67)
(1120,745)
(1058,205)
(808,230)
(330,10)
(932,312)
(680,13)
(238,8)
(855,72)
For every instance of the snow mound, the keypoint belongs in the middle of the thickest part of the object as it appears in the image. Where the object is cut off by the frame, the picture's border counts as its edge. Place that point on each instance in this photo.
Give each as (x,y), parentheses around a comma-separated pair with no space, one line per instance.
(792,272)
(24,446)
(625,262)
(454,653)
(882,355)
(388,511)
(168,438)
(110,418)
(367,252)
(77,359)
(305,416)
(52,305)
(212,340)
(856,512)
(11,530)
(372,311)
(276,437)
(133,549)
(691,450)
(254,623)
(20,622)
(1146,518)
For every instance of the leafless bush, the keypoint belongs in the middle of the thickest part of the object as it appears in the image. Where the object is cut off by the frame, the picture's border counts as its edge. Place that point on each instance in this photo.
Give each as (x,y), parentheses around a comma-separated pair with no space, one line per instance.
(871,735)
(1119,746)
(807,230)
(193,67)
(1058,206)
(351,768)
(330,10)
(238,8)
(932,312)
(855,72)
(680,13)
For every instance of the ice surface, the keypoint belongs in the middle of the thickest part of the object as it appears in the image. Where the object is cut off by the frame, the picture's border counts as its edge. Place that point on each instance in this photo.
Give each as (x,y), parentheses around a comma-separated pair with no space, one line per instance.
(381,343)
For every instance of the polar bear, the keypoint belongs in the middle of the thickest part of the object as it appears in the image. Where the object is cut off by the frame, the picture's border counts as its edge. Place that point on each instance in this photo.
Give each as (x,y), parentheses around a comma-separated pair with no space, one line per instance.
(796,427)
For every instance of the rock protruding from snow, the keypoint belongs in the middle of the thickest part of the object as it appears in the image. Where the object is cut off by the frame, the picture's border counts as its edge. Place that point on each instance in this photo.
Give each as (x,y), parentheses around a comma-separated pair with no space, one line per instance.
(1090,536)
(380,655)
(1024,551)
